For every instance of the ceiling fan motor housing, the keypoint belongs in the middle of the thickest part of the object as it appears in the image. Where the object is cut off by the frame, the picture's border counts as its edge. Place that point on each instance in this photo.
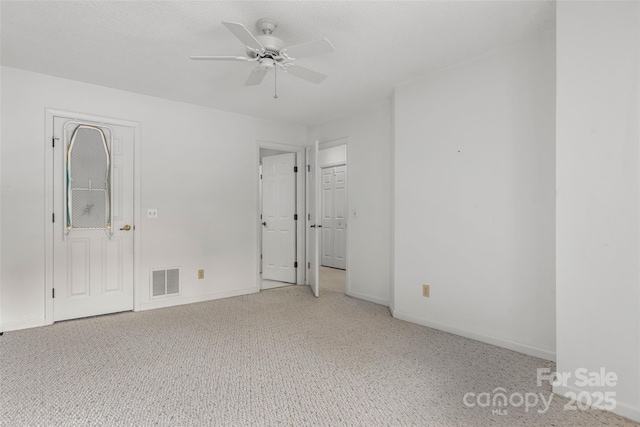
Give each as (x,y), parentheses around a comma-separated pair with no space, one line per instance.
(272,45)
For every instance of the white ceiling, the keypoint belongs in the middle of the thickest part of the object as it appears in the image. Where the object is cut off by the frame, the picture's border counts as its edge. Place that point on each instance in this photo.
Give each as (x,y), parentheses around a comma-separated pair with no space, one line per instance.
(143,47)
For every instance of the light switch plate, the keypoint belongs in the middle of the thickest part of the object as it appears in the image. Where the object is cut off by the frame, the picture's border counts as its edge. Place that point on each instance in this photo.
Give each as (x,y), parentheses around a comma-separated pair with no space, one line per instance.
(152,213)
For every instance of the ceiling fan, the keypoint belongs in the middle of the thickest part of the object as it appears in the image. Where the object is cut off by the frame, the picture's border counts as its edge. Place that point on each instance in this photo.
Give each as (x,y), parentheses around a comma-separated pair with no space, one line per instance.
(270,52)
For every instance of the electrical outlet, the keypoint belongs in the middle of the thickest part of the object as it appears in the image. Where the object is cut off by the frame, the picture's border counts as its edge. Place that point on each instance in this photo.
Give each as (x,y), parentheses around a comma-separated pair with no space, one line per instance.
(200,274)
(425,291)
(152,213)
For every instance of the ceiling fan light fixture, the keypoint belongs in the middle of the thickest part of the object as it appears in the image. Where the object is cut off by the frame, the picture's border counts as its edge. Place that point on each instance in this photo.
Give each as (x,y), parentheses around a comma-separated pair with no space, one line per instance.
(266,64)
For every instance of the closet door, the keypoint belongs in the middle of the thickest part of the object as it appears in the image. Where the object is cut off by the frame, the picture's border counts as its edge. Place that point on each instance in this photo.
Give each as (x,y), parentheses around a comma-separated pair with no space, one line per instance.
(334,203)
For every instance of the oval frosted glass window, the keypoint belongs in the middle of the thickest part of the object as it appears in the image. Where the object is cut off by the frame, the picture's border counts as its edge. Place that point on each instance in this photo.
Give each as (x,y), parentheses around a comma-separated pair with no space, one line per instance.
(88,179)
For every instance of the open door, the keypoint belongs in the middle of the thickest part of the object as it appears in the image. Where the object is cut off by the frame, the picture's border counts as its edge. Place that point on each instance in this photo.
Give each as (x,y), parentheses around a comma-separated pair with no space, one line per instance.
(313,219)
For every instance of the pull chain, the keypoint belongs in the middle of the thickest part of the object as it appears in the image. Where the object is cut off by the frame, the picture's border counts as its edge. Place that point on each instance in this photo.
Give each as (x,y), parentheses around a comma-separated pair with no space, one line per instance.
(275,81)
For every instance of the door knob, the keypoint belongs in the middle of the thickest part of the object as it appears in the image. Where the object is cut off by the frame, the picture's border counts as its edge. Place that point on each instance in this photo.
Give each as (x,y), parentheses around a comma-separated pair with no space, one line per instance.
(126,228)
(264,223)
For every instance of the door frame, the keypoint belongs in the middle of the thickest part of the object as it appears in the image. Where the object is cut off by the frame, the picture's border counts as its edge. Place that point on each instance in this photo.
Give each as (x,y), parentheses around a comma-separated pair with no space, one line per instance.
(50,113)
(300,207)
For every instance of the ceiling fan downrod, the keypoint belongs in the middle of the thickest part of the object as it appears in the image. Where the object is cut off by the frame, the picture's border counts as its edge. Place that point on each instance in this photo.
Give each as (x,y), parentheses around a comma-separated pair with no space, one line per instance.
(275,82)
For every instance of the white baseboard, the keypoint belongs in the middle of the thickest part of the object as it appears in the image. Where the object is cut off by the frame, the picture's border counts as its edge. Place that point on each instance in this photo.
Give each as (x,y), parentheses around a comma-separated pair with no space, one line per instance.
(511,345)
(170,302)
(622,409)
(368,298)
(26,324)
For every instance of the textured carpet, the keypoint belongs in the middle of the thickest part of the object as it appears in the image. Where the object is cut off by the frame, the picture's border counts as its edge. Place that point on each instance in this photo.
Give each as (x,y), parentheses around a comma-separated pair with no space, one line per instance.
(279,357)
(332,280)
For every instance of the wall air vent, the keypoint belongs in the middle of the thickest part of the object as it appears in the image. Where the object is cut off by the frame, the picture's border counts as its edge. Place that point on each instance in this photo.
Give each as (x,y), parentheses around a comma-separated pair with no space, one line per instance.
(165,282)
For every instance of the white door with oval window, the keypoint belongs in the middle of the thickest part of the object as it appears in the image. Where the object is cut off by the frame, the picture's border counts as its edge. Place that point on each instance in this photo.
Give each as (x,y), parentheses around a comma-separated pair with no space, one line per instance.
(93,218)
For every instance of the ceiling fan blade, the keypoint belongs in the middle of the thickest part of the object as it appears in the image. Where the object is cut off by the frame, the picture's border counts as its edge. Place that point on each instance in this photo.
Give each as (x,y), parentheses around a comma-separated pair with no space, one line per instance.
(306,74)
(241,32)
(256,76)
(317,47)
(220,58)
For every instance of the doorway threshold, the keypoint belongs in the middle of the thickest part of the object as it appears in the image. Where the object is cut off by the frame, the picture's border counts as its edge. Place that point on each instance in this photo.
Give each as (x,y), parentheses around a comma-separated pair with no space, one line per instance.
(271,284)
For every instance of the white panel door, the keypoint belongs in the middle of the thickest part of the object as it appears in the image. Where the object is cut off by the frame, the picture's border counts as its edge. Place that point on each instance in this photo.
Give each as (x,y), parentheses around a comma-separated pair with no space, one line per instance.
(326,232)
(334,219)
(313,220)
(340,217)
(278,223)
(93,272)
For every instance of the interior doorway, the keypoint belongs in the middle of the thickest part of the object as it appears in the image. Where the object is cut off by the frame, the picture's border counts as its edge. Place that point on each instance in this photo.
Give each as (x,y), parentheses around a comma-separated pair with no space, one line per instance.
(331,221)
(333,280)
(280,195)
(333,208)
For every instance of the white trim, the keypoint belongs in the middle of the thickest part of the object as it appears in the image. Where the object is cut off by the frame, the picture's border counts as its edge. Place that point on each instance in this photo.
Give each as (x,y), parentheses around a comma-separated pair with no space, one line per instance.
(50,113)
(392,208)
(622,409)
(23,324)
(369,298)
(300,208)
(636,411)
(343,140)
(500,342)
(333,165)
(1,325)
(170,302)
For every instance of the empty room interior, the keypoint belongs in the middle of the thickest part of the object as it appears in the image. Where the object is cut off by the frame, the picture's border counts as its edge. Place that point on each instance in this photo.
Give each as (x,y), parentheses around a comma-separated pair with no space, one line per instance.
(320,213)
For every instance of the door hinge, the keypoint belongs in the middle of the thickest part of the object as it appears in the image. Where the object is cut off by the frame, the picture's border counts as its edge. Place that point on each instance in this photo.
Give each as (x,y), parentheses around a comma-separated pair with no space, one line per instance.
(295,264)
(309,217)
(53,141)
(308,265)
(53,292)
(53,217)
(308,168)
(295,217)
(260,176)
(295,169)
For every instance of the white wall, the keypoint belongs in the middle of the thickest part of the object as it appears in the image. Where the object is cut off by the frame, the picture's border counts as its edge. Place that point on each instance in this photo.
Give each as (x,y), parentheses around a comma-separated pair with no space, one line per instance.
(598,221)
(368,193)
(198,168)
(474,198)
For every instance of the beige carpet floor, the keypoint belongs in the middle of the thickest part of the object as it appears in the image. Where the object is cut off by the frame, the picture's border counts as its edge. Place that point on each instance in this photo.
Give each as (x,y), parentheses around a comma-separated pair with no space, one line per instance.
(333,280)
(279,357)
